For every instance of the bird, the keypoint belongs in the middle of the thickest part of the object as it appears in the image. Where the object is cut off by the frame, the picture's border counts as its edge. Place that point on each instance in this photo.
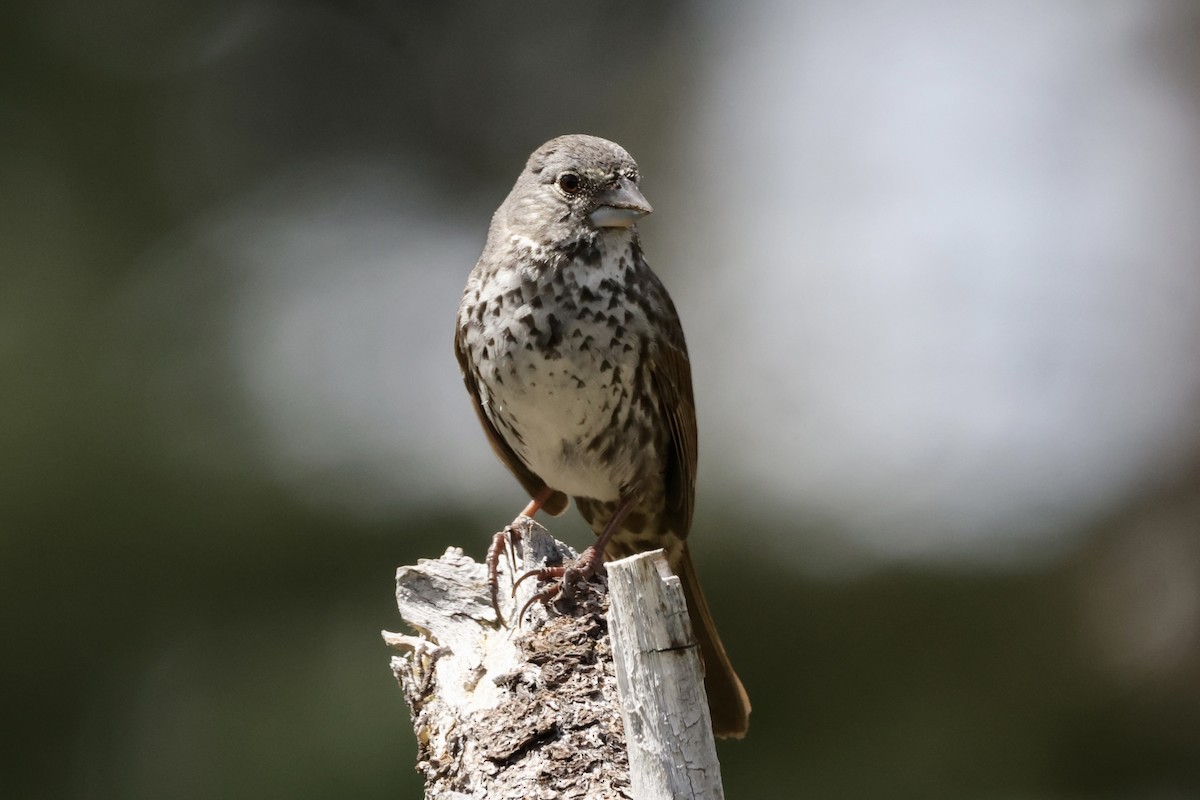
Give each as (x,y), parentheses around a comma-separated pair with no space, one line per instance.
(574,356)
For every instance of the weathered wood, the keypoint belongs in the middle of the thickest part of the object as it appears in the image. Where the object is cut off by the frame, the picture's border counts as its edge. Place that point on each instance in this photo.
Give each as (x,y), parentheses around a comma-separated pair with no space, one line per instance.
(669,734)
(533,710)
(529,711)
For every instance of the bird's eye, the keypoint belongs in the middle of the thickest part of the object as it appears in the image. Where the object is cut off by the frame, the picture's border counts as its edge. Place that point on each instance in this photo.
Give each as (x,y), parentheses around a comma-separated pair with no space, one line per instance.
(569,182)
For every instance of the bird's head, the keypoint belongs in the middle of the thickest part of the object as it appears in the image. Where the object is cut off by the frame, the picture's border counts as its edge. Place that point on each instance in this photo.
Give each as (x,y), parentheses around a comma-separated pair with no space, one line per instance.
(573,186)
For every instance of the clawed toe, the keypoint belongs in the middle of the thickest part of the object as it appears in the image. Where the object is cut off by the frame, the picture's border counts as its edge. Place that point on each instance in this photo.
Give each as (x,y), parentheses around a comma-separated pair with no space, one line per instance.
(563,580)
(502,542)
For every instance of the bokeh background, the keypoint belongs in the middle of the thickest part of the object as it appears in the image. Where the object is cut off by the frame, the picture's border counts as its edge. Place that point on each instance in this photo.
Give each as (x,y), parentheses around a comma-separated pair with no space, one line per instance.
(938,263)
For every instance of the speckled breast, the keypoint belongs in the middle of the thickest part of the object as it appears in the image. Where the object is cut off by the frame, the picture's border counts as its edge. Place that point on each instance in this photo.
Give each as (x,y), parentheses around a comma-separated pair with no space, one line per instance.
(563,374)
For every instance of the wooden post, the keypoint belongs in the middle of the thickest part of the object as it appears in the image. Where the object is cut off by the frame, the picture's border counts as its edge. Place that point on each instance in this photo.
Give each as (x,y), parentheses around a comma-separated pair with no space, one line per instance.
(660,680)
(533,710)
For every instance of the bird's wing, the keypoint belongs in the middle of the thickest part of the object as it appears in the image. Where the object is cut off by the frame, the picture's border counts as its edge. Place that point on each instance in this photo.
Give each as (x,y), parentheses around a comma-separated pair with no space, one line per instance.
(671,372)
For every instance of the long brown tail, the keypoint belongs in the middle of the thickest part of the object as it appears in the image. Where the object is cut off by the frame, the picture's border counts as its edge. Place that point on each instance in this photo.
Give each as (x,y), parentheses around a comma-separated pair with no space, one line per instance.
(727,699)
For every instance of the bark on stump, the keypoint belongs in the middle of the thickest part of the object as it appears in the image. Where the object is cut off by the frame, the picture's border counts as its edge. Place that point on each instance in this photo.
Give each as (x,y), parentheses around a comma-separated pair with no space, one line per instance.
(533,710)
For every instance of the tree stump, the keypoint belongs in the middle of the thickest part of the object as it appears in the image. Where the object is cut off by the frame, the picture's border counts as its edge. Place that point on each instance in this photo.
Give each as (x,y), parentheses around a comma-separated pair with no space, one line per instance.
(533,709)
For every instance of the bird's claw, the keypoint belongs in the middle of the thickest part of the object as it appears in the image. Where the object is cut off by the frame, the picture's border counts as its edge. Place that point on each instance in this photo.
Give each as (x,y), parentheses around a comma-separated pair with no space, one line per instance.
(502,542)
(563,580)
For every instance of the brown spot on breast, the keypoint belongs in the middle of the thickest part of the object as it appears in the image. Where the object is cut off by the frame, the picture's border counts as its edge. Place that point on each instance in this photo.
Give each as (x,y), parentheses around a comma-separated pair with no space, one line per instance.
(554,339)
(584,504)
(635,522)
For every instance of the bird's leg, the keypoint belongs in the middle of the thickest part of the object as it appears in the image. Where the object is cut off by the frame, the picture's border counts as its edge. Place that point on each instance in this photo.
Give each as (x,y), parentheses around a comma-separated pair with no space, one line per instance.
(503,542)
(498,546)
(539,500)
(565,577)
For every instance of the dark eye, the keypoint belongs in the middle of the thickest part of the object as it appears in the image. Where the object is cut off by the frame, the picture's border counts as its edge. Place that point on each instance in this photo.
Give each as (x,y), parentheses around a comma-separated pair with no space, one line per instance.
(569,182)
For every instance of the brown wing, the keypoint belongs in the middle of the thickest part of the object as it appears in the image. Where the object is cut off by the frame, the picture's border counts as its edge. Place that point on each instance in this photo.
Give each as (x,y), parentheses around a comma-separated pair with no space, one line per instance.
(672,375)
(558,501)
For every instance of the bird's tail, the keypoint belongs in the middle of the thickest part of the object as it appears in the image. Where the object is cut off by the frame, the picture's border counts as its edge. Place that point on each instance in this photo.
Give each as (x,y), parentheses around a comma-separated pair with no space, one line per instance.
(727,699)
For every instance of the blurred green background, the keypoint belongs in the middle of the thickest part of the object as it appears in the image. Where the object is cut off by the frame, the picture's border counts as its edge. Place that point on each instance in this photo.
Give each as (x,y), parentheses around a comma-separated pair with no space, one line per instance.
(940,271)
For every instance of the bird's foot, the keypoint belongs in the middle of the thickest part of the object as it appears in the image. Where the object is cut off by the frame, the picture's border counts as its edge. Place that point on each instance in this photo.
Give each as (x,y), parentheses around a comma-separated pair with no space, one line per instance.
(562,580)
(503,543)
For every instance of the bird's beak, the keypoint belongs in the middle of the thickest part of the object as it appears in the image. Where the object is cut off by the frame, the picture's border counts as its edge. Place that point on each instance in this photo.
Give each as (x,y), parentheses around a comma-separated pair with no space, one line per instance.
(619,206)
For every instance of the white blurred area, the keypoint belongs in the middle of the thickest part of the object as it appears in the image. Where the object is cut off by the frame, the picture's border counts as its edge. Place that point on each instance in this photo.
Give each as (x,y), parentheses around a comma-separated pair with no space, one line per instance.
(341,327)
(937,264)
(944,290)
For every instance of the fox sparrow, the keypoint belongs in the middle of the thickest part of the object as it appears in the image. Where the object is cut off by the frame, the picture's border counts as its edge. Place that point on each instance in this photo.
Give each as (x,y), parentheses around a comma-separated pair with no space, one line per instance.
(574,356)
